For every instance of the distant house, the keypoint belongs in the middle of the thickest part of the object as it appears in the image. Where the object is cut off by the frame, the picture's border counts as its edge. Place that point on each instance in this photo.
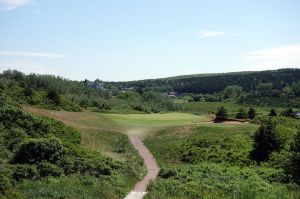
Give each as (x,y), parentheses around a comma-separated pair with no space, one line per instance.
(127,89)
(95,84)
(98,85)
(172,94)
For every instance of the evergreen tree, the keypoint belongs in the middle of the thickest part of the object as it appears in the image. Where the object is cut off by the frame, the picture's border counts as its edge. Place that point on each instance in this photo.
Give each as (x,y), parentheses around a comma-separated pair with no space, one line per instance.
(273,112)
(221,114)
(53,96)
(296,159)
(242,114)
(251,113)
(265,142)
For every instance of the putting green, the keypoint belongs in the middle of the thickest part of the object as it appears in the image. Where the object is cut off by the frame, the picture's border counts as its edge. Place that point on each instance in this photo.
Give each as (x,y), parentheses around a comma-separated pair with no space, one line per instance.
(157,119)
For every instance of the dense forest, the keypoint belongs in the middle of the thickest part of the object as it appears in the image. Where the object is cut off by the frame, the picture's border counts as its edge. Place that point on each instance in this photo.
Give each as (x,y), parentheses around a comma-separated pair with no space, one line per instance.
(214,83)
(264,88)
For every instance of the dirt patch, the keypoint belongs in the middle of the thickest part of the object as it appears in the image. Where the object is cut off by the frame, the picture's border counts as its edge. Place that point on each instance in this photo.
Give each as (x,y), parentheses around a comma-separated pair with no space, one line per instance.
(235,122)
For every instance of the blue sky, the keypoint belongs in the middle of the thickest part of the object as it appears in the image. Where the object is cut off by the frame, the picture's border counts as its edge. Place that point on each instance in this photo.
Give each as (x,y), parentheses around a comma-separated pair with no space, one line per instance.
(138,39)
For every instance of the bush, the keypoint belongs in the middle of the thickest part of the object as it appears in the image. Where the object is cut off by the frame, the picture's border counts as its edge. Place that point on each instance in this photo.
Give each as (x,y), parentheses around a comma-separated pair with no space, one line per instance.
(4,183)
(13,137)
(25,172)
(12,117)
(272,112)
(95,167)
(241,114)
(46,169)
(37,150)
(53,96)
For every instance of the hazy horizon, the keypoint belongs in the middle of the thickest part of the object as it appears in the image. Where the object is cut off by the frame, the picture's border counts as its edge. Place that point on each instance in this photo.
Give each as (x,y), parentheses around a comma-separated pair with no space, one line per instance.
(135,40)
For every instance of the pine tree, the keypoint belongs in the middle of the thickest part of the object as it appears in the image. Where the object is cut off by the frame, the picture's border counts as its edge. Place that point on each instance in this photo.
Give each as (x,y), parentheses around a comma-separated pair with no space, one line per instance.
(265,142)
(221,114)
(251,113)
(296,159)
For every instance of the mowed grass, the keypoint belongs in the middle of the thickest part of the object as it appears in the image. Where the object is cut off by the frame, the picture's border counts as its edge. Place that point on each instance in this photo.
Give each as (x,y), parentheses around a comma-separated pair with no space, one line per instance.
(157,119)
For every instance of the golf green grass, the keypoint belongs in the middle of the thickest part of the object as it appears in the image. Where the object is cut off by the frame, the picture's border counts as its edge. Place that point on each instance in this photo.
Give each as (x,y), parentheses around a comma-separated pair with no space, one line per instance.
(157,119)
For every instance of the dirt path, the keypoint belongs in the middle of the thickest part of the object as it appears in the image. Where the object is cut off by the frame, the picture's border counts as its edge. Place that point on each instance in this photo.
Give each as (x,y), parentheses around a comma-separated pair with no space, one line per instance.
(152,169)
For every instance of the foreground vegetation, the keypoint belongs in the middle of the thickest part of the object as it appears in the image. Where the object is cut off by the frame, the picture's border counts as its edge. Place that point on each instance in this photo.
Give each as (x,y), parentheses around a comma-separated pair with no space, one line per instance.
(213,161)
(42,158)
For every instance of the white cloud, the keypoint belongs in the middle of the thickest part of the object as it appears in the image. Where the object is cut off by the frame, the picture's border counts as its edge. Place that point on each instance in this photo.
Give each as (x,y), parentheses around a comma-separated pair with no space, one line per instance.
(28,67)
(211,33)
(6,5)
(286,56)
(30,54)
(287,52)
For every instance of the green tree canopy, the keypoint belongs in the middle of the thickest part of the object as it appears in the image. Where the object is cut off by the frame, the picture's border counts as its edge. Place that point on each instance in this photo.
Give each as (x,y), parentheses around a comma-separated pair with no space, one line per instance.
(265,142)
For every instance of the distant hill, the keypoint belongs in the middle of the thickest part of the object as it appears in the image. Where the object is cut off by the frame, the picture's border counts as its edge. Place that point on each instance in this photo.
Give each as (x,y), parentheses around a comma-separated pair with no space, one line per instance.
(212,83)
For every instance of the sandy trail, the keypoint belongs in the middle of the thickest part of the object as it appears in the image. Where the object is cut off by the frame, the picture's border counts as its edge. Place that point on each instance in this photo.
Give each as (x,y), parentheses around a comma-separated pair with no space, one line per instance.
(140,187)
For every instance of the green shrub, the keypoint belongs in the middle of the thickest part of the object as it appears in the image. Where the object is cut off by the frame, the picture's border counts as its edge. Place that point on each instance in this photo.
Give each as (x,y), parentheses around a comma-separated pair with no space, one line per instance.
(95,167)
(13,137)
(12,117)
(37,150)
(242,114)
(25,172)
(4,183)
(46,169)
(53,96)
